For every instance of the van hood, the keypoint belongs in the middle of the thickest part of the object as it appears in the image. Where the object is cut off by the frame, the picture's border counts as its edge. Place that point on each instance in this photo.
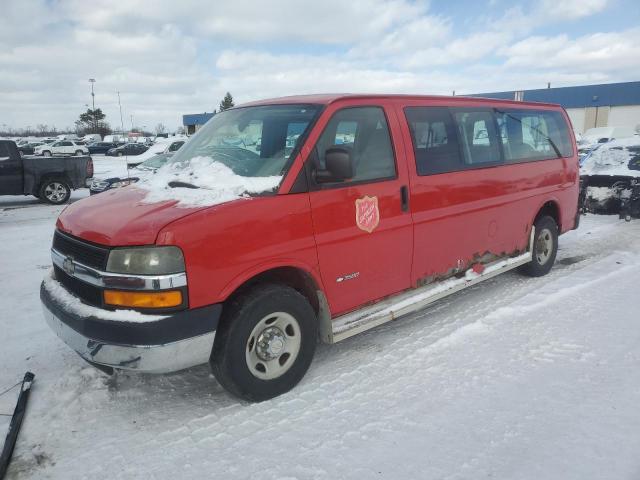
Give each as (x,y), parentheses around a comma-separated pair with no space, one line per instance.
(119,217)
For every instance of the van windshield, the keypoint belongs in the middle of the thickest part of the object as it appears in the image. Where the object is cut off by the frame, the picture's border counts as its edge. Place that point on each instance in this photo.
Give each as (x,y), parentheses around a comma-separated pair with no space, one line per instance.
(251,141)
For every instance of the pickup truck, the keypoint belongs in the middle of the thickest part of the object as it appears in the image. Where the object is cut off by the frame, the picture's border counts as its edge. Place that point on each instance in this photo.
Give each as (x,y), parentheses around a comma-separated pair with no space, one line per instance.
(51,179)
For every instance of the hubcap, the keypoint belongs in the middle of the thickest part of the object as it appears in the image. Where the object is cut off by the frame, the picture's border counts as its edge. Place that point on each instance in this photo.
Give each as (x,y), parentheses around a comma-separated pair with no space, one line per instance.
(544,246)
(55,192)
(273,346)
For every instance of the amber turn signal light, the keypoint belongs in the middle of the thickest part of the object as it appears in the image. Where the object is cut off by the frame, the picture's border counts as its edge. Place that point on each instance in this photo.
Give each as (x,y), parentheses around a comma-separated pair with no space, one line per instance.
(117,298)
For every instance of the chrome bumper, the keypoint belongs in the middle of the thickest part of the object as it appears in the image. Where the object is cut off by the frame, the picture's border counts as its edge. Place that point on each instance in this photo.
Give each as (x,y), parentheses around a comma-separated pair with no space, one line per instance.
(165,358)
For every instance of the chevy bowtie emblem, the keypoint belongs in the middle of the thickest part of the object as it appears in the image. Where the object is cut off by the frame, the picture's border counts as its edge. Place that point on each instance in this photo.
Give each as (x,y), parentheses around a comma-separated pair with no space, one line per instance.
(68,266)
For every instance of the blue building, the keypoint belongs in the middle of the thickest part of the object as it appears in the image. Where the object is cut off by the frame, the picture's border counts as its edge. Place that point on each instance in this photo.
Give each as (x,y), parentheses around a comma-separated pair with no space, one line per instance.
(192,122)
(588,106)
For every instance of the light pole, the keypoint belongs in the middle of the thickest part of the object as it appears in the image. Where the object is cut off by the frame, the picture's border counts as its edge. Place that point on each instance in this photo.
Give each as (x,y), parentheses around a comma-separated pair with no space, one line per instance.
(132,122)
(93,103)
(121,122)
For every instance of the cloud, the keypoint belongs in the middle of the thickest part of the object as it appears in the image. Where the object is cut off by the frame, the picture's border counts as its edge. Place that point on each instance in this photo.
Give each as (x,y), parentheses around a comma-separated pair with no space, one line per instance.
(168,58)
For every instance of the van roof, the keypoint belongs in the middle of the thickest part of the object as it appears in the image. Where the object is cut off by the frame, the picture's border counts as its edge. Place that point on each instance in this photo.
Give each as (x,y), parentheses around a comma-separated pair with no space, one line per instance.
(327,98)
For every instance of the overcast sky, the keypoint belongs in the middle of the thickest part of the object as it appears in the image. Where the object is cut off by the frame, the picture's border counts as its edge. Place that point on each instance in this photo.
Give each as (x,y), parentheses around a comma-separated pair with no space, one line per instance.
(173,57)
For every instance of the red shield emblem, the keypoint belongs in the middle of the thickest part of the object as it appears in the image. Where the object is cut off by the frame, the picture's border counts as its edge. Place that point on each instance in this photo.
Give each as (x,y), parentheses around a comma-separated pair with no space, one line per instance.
(367,213)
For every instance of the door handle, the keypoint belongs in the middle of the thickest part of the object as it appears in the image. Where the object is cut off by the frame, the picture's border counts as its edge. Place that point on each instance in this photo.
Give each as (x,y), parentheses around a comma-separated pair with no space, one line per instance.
(404,198)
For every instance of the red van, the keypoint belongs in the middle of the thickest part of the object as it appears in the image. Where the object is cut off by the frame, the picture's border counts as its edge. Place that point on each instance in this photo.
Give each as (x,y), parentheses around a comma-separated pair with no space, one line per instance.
(288,220)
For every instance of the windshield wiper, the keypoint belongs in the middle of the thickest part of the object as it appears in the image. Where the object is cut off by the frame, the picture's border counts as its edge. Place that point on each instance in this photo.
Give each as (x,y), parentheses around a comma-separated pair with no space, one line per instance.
(179,184)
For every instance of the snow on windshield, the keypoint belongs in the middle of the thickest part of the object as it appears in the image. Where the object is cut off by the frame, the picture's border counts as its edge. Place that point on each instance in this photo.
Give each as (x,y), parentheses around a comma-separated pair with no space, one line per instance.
(205,182)
(617,157)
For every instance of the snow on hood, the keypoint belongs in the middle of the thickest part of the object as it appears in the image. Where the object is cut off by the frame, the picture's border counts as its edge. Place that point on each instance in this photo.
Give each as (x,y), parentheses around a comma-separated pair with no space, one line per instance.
(617,157)
(216,183)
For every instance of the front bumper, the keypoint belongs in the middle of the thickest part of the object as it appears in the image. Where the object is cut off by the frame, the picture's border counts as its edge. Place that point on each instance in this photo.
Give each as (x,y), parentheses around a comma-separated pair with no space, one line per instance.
(167,344)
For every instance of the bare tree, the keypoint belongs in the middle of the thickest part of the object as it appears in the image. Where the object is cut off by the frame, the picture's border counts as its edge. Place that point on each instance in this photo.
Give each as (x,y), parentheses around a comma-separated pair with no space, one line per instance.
(160,128)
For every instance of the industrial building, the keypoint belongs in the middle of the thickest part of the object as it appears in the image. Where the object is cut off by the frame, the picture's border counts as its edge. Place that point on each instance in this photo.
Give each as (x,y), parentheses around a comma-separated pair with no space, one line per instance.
(192,122)
(588,106)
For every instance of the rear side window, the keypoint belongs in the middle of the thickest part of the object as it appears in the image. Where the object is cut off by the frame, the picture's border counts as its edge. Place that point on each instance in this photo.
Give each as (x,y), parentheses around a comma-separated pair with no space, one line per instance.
(529,135)
(477,136)
(4,150)
(365,130)
(435,143)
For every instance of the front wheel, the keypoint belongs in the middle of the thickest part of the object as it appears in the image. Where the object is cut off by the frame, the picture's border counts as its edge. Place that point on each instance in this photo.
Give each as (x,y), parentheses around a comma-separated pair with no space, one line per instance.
(119,154)
(46,153)
(265,342)
(545,248)
(78,153)
(55,192)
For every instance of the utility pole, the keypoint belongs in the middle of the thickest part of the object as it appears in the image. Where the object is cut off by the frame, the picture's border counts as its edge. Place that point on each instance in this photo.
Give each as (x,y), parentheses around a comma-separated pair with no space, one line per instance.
(121,122)
(93,103)
(132,122)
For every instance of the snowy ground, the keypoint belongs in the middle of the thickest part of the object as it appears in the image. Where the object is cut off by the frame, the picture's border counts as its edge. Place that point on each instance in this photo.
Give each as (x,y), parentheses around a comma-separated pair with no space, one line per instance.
(515,378)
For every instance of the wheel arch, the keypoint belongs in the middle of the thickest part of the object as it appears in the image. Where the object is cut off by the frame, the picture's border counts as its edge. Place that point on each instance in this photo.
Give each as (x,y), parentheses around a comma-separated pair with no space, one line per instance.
(551,207)
(298,277)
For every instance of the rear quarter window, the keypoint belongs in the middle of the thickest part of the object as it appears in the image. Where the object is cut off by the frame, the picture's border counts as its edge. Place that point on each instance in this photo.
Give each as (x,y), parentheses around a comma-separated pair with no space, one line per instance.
(530,135)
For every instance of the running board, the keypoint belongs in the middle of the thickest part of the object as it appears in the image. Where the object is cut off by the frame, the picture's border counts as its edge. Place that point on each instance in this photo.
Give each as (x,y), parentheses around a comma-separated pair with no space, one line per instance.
(350,324)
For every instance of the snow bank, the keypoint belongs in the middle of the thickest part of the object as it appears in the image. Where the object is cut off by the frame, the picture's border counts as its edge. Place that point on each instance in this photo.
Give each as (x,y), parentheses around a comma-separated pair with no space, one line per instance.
(216,183)
(74,305)
(617,157)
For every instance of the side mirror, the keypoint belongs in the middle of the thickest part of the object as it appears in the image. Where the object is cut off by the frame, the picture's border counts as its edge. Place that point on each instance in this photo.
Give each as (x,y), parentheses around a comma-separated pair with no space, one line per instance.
(338,163)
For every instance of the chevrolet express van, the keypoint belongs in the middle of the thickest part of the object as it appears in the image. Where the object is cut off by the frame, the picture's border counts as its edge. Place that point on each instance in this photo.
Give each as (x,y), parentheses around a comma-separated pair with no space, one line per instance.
(285,221)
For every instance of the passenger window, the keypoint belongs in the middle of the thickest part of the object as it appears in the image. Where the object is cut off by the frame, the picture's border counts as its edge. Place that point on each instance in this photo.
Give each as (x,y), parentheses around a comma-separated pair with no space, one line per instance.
(435,143)
(365,130)
(529,135)
(477,137)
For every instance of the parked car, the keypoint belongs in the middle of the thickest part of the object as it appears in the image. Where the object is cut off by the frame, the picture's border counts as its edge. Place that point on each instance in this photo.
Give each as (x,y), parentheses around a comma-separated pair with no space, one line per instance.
(607,175)
(137,173)
(29,148)
(161,145)
(591,139)
(101,147)
(62,147)
(92,138)
(51,180)
(129,149)
(243,259)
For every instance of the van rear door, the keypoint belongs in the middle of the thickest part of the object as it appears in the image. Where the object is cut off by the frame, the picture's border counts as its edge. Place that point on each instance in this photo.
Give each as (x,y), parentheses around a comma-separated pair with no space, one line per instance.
(363,229)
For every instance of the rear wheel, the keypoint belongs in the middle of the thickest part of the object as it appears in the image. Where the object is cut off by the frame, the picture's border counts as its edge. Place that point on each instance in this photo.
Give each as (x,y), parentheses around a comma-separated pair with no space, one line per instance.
(265,342)
(119,154)
(545,247)
(55,191)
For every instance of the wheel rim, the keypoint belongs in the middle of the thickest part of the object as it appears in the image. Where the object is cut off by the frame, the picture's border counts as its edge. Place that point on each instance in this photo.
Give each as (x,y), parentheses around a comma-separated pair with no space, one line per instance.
(47,154)
(273,346)
(56,192)
(544,246)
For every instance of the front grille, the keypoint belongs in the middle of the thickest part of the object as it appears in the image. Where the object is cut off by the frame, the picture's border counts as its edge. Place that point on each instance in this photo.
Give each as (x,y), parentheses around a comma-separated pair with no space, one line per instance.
(86,292)
(82,252)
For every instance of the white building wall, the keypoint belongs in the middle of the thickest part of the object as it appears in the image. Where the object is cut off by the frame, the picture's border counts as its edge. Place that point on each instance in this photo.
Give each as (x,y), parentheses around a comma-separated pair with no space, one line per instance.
(577,116)
(626,116)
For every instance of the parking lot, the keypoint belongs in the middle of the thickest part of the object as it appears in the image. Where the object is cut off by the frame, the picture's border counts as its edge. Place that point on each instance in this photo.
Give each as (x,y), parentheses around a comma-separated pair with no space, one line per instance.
(514,378)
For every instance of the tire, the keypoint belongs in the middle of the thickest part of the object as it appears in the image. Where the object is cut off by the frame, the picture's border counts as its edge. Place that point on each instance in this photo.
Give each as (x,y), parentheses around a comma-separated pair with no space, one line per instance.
(46,153)
(265,342)
(55,191)
(78,153)
(21,154)
(119,154)
(545,248)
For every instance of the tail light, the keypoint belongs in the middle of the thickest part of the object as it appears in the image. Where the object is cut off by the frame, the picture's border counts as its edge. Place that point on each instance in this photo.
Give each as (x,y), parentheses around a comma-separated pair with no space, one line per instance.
(90,168)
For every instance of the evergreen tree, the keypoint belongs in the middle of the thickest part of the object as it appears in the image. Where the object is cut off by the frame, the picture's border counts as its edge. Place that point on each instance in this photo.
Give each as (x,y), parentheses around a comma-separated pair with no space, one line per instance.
(226,103)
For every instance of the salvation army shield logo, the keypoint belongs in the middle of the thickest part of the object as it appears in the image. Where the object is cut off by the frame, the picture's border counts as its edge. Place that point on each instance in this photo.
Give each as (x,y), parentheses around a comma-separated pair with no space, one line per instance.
(367,213)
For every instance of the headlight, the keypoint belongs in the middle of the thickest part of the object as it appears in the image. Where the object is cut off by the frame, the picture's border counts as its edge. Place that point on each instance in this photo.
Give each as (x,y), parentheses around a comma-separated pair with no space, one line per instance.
(146,261)
(123,183)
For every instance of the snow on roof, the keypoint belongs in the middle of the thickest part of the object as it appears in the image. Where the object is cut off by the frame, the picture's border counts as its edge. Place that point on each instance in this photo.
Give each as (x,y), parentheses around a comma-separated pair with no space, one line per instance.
(617,157)
(215,183)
